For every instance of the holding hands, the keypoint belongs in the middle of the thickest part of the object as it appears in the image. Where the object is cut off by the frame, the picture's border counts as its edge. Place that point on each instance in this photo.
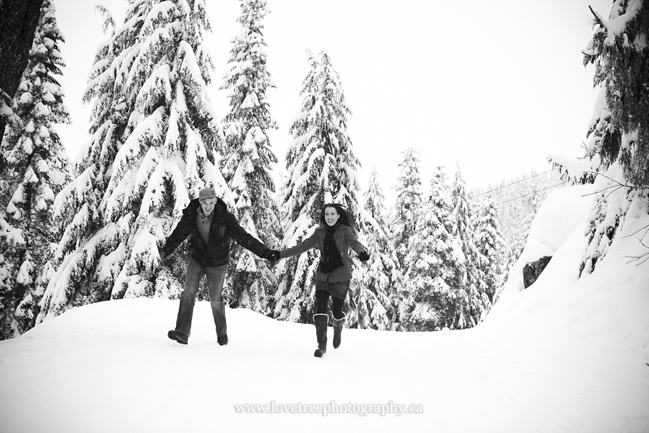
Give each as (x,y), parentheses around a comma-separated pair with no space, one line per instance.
(271,255)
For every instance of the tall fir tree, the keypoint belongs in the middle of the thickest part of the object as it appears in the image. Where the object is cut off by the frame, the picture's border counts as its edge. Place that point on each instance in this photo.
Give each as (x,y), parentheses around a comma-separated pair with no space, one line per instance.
(321,167)
(12,243)
(472,300)
(408,202)
(37,169)
(18,22)
(301,200)
(379,299)
(619,129)
(153,145)
(618,133)
(248,160)
(432,264)
(490,243)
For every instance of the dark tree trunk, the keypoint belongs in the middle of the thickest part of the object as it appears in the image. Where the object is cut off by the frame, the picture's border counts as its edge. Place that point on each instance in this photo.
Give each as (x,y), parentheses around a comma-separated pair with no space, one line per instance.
(18,21)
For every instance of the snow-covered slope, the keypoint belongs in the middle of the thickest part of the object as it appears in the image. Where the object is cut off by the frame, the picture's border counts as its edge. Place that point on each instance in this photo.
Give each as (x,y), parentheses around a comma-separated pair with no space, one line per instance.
(565,355)
(612,303)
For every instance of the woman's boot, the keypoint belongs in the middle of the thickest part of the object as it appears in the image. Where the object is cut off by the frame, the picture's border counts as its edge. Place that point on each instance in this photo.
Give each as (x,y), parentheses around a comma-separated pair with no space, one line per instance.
(338,329)
(320,320)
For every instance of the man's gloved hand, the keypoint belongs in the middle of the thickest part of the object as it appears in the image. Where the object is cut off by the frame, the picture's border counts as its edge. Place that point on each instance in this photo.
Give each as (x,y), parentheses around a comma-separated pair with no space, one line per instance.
(363,257)
(271,255)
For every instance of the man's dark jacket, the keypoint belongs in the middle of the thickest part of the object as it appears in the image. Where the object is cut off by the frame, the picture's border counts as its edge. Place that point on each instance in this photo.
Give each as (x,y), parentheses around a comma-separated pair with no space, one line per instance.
(223,228)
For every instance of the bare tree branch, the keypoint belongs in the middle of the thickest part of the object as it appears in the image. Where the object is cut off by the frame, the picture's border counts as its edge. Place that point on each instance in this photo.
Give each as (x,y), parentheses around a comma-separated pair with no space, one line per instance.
(643,257)
(609,194)
(612,180)
(600,190)
(638,231)
(597,17)
(640,259)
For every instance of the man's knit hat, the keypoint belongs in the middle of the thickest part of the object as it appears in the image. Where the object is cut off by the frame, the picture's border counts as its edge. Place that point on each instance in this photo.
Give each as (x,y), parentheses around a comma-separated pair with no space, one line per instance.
(207,193)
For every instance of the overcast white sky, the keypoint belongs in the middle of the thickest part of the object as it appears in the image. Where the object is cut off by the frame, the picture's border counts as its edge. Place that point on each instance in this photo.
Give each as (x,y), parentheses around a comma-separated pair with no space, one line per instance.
(494,85)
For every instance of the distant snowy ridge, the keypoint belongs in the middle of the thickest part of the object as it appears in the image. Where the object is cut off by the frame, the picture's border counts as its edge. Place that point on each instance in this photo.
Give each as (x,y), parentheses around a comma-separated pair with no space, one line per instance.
(564,212)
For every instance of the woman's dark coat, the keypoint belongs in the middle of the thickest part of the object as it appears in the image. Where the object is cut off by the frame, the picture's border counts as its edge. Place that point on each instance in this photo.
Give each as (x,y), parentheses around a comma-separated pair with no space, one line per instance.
(344,237)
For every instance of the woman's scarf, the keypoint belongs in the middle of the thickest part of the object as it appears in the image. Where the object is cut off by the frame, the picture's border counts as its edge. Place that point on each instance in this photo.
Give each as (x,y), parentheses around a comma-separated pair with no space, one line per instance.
(330,256)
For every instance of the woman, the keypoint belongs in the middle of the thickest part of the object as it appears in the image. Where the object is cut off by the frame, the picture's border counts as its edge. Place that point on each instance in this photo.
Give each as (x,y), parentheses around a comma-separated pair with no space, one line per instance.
(333,238)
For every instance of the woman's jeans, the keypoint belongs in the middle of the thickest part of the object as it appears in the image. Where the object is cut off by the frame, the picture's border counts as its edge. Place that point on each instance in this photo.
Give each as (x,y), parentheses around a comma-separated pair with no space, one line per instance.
(215,278)
(322,301)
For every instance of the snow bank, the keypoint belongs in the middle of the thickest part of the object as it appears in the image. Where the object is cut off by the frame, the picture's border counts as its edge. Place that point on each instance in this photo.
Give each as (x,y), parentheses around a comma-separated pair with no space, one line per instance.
(563,212)
(611,304)
(114,358)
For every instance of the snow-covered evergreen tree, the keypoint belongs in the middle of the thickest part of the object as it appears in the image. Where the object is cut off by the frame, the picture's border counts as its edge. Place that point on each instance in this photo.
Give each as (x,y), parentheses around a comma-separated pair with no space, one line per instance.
(489,243)
(248,158)
(37,169)
(475,300)
(432,264)
(321,167)
(301,200)
(619,129)
(153,145)
(380,289)
(12,243)
(408,202)
(618,133)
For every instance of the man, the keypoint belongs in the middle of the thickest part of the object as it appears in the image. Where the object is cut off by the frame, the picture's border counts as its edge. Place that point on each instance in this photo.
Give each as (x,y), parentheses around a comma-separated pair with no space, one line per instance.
(210,226)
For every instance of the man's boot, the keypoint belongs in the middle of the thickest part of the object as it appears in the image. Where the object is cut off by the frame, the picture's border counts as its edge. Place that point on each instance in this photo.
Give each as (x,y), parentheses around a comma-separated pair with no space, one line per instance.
(320,320)
(338,329)
(177,336)
(218,311)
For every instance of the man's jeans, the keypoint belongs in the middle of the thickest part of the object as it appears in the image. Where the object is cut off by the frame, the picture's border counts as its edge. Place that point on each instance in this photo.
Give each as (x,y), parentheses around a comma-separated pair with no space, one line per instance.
(215,277)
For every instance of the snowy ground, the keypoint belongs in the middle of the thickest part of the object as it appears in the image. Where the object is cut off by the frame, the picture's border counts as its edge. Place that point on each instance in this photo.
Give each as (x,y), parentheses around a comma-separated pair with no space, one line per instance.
(565,355)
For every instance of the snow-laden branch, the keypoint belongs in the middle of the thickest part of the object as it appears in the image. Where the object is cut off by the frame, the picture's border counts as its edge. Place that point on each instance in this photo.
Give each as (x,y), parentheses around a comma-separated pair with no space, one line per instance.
(617,26)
